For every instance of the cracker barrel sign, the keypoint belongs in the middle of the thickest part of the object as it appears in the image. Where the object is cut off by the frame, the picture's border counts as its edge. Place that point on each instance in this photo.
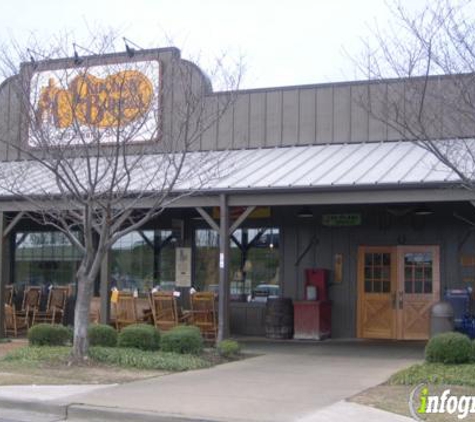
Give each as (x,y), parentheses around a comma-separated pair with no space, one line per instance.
(96,100)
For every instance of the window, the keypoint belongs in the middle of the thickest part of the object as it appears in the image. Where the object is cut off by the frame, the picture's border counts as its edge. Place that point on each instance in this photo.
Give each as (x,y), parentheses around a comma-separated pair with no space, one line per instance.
(377,273)
(144,259)
(43,258)
(254,262)
(418,268)
(206,259)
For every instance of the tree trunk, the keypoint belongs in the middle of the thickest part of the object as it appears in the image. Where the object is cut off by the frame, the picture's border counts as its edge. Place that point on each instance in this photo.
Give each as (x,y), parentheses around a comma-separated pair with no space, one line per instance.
(81,316)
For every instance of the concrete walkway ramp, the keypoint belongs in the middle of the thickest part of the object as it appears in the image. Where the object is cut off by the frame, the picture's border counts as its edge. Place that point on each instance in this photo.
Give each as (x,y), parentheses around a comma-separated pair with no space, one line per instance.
(287,381)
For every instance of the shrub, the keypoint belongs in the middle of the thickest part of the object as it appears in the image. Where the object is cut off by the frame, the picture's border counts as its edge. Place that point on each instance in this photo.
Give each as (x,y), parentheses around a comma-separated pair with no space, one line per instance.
(102,335)
(473,351)
(184,339)
(140,336)
(449,348)
(49,335)
(228,348)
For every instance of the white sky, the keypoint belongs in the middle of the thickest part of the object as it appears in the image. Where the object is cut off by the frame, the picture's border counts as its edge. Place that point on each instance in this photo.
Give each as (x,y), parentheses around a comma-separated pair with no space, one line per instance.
(283,42)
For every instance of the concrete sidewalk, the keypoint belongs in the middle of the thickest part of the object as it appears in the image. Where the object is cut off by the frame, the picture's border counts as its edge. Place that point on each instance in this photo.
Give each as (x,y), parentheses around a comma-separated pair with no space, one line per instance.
(289,382)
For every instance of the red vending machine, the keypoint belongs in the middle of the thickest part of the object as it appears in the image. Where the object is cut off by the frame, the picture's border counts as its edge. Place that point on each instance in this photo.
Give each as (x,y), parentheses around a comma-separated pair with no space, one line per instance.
(316,278)
(312,316)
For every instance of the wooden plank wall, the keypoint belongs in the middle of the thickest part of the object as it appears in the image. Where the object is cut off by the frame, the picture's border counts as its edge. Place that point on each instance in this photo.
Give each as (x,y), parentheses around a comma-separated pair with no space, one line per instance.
(377,229)
(287,116)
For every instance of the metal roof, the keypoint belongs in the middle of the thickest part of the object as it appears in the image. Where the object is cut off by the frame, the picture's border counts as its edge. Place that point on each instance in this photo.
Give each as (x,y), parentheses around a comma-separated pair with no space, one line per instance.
(327,166)
(286,168)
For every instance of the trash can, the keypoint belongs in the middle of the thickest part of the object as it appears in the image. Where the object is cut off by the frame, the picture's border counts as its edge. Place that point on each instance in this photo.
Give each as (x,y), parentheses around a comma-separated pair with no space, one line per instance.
(460,301)
(279,318)
(441,318)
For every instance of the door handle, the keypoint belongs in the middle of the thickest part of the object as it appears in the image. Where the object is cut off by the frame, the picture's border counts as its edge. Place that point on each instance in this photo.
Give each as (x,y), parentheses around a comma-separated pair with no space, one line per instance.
(394,300)
(400,300)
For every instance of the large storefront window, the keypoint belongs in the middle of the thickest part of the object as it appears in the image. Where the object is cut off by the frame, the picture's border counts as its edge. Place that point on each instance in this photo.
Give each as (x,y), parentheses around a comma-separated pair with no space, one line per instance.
(44,258)
(144,259)
(254,262)
(206,259)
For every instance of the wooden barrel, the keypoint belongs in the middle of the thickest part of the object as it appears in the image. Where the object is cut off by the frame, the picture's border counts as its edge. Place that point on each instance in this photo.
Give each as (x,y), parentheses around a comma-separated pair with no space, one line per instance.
(279,318)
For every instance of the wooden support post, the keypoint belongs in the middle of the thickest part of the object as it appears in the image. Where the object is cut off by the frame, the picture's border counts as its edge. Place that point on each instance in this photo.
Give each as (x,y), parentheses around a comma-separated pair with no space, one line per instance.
(224,253)
(105,287)
(156,258)
(4,268)
(247,212)
(208,218)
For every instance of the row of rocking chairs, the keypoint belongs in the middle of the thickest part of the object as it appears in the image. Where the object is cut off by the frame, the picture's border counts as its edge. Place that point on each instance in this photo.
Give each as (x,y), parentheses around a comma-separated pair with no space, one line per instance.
(30,313)
(166,313)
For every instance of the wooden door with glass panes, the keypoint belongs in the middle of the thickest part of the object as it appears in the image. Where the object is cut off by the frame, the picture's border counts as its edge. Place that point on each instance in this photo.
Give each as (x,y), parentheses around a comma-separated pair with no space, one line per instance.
(418,290)
(396,288)
(376,292)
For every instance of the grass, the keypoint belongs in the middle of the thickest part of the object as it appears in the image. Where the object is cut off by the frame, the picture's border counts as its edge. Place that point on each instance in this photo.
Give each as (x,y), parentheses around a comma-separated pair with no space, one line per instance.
(38,354)
(21,364)
(113,356)
(51,365)
(134,358)
(435,373)
(393,396)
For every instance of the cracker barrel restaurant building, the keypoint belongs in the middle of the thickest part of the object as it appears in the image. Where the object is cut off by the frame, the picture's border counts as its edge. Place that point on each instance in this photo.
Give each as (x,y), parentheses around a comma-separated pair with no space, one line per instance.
(320,208)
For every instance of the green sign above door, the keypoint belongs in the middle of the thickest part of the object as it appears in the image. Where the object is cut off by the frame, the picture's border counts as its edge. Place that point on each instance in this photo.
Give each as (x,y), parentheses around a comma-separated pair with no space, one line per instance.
(341,220)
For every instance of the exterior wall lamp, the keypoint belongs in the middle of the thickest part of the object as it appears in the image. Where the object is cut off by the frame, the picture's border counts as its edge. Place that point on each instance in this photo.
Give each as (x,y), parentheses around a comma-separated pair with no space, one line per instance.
(423,210)
(305,212)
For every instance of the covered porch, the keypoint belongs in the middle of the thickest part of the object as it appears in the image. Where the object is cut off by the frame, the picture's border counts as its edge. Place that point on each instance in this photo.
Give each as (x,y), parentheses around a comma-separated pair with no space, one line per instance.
(282,211)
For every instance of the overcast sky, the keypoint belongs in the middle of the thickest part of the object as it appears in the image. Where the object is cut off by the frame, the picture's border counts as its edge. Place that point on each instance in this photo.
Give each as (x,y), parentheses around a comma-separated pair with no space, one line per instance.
(283,42)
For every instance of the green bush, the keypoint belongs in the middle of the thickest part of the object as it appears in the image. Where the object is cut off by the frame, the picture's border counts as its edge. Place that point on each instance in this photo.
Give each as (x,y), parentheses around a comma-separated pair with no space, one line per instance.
(139,336)
(183,339)
(102,335)
(49,335)
(449,348)
(228,348)
(133,358)
(473,351)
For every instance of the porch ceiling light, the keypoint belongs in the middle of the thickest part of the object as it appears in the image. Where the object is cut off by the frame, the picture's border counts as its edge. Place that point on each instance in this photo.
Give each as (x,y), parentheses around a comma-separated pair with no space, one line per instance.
(305,212)
(423,210)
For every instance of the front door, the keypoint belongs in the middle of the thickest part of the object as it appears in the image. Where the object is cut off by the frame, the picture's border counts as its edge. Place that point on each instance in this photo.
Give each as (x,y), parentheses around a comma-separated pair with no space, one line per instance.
(396,288)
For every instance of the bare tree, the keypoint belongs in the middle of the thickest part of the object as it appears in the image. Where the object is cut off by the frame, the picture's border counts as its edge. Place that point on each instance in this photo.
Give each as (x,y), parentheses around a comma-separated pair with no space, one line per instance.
(421,69)
(107,143)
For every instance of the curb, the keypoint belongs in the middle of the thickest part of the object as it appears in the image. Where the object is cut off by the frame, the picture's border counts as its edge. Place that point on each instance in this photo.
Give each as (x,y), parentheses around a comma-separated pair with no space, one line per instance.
(91,413)
(35,406)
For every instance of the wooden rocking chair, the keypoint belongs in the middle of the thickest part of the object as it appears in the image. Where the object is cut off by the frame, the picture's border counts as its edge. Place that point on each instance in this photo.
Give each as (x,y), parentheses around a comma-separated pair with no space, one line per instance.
(30,305)
(204,316)
(165,310)
(125,310)
(9,293)
(12,323)
(55,307)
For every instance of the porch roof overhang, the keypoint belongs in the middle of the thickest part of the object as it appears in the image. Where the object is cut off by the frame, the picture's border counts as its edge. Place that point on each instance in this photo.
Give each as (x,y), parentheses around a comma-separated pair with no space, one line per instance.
(359,173)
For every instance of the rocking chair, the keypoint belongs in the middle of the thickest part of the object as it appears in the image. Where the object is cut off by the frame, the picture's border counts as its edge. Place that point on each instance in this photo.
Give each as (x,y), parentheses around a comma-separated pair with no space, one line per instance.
(30,305)
(165,310)
(55,307)
(13,323)
(125,310)
(203,311)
